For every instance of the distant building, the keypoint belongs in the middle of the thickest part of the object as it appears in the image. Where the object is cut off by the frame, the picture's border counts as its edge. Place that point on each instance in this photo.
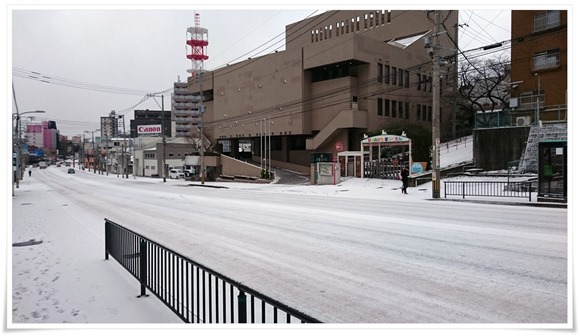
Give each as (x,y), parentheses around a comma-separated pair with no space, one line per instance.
(151,117)
(43,135)
(539,68)
(342,74)
(184,110)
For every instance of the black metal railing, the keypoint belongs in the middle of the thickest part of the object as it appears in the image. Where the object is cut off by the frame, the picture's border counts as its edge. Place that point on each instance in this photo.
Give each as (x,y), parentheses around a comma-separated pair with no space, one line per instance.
(196,293)
(489,188)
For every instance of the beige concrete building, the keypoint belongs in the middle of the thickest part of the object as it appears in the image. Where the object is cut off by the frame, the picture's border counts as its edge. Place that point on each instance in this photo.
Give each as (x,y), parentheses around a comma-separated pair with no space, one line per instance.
(342,74)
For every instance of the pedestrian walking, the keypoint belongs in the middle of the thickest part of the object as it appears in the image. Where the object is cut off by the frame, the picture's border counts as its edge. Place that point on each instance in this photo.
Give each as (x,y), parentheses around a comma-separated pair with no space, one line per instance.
(29,172)
(405,179)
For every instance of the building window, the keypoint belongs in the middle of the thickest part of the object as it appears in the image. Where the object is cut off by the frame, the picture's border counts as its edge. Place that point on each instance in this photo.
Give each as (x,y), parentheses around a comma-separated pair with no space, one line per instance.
(394,76)
(424,82)
(393,108)
(380,106)
(418,112)
(418,81)
(387,107)
(546,20)
(297,143)
(546,60)
(430,113)
(401,77)
(387,74)
(401,110)
(406,78)
(379,72)
(424,107)
(407,110)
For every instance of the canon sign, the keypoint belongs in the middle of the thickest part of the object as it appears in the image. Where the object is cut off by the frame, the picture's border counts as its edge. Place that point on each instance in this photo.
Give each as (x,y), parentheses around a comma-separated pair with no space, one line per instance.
(148,129)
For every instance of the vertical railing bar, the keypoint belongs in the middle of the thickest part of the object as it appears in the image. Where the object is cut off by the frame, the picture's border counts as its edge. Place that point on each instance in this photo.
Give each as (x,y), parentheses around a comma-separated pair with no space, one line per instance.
(107,242)
(174,279)
(224,301)
(143,266)
(288,318)
(252,310)
(209,294)
(166,277)
(242,306)
(157,269)
(203,293)
(197,284)
(217,301)
(182,282)
(232,303)
(263,311)
(186,282)
(275,314)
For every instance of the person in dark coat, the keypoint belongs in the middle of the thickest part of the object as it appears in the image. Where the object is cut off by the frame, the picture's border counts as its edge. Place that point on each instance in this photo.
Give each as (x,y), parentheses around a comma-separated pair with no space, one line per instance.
(405,179)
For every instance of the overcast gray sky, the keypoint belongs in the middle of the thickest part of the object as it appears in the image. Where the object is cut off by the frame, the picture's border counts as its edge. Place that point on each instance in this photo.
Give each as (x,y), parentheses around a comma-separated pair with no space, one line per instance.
(141,50)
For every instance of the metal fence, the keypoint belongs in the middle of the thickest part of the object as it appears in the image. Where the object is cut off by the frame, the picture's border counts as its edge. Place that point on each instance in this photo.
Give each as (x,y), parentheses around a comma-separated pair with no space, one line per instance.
(194,292)
(489,188)
(383,169)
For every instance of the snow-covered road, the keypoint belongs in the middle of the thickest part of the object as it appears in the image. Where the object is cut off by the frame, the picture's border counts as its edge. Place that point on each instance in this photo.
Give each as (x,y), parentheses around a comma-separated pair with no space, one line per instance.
(381,259)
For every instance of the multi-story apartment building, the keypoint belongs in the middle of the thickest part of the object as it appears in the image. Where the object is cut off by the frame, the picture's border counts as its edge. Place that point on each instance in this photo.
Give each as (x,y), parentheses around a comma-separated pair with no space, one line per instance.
(110,126)
(184,110)
(342,74)
(540,64)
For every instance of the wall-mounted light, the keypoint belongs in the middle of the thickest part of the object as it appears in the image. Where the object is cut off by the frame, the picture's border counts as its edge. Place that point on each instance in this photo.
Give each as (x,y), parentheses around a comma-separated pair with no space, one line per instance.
(222,93)
(260,85)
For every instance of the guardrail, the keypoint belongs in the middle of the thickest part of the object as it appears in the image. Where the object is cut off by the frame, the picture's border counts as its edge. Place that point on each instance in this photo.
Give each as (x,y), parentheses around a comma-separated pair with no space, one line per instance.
(194,292)
(489,188)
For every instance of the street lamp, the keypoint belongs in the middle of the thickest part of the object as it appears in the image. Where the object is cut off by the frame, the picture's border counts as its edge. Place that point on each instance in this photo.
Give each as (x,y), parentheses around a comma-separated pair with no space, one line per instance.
(17,174)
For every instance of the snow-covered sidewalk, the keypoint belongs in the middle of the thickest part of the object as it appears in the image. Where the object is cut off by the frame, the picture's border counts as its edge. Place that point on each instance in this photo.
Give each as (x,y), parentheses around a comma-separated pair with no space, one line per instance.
(65,272)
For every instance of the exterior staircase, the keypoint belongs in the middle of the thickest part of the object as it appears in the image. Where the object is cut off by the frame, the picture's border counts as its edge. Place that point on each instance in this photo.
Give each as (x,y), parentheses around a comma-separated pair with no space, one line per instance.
(350,118)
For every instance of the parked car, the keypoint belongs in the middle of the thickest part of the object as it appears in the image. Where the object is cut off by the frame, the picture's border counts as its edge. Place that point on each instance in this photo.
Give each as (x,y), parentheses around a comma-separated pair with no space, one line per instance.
(176,174)
(188,172)
(71,171)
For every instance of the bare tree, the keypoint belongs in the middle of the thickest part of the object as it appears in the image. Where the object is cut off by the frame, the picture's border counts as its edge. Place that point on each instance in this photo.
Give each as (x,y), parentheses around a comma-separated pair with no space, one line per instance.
(484,84)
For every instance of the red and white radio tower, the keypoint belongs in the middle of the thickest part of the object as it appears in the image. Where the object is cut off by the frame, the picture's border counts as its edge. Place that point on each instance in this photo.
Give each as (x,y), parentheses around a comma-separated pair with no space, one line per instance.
(197,40)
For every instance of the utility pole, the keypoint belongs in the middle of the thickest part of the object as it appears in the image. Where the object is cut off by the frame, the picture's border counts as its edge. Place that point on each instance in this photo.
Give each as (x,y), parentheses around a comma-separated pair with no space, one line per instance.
(163,135)
(107,152)
(269,148)
(125,161)
(83,152)
(94,157)
(436,87)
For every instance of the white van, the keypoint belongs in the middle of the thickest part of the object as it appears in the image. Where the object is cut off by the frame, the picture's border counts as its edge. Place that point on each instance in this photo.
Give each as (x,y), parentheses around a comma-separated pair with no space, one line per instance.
(176,174)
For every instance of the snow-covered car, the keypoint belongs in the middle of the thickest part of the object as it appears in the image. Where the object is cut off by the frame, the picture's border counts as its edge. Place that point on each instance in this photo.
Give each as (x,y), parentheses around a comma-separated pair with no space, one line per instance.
(71,171)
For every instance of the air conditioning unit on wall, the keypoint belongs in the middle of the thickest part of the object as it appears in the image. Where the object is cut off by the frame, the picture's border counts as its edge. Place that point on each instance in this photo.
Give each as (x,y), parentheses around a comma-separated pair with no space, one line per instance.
(523,121)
